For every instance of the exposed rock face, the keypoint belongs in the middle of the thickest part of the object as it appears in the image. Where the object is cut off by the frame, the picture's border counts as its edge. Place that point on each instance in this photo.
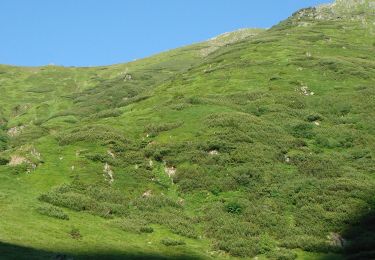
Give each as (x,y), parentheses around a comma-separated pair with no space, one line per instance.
(345,8)
(26,155)
(17,160)
(170,171)
(228,38)
(15,131)
(108,173)
(355,10)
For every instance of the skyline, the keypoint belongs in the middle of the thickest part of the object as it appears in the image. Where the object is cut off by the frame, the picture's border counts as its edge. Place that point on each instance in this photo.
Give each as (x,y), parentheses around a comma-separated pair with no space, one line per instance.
(72,33)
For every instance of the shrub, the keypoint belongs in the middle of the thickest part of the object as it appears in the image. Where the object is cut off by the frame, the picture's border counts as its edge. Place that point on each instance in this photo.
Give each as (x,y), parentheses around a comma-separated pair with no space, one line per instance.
(107,113)
(313,117)
(266,244)
(3,141)
(3,161)
(174,220)
(233,208)
(75,233)
(172,242)
(281,254)
(316,165)
(154,203)
(53,212)
(135,225)
(92,133)
(146,230)
(302,130)
(155,129)
(93,198)
(239,247)
(307,243)
(19,169)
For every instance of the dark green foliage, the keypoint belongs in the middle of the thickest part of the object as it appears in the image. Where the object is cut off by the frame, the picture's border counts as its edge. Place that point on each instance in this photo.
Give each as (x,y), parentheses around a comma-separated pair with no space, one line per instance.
(53,212)
(154,202)
(155,129)
(134,225)
(271,139)
(234,208)
(316,165)
(172,242)
(96,133)
(19,169)
(96,199)
(3,141)
(314,117)
(302,130)
(107,113)
(75,233)
(146,230)
(4,161)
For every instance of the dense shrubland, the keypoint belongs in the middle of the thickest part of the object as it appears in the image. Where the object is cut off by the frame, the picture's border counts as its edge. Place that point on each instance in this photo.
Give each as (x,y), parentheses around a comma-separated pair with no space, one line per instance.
(263,147)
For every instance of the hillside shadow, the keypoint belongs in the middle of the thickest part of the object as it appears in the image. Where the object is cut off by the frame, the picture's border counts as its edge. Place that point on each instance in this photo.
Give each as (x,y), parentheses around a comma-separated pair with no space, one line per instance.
(360,238)
(14,252)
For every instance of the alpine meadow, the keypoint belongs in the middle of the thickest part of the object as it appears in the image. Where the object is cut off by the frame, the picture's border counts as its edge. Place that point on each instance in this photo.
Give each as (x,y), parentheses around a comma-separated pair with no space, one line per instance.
(256,144)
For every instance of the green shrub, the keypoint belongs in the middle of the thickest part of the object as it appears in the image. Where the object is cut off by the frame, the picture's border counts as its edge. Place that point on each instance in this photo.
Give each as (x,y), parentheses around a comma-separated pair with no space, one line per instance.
(156,128)
(95,199)
(3,141)
(19,169)
(177,222)
(302,130)
(146,230)
(316,165)
(3,161)
(53,212)
(281,254)
(314,117)
(75,233)
(107,113)
(134,224)
(307,243)
(234,208)
(239,247)
(172,242)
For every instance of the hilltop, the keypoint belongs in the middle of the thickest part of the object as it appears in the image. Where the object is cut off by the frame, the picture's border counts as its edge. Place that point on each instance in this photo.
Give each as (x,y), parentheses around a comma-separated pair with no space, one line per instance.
(256,143)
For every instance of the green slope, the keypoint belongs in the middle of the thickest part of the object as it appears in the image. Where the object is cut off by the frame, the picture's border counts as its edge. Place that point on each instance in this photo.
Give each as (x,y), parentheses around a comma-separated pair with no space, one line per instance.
(254,143)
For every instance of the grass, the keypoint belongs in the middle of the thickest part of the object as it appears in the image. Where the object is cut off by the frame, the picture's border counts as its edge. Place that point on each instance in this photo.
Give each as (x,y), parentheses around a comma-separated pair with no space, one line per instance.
(267,140)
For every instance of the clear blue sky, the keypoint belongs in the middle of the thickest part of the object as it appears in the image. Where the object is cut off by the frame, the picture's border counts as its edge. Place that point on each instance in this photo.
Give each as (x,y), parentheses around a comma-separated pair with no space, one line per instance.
(100,32)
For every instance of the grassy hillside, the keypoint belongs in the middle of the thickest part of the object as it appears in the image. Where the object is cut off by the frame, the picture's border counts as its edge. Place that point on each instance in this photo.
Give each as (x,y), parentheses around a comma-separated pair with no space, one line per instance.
(255,143)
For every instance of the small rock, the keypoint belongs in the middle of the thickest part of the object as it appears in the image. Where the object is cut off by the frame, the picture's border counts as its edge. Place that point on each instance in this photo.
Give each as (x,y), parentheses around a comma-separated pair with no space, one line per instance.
(170,171)
(15,131)
(17,160)
(110,153)
(287,159)
(147,194)
(213,152)
(108,173)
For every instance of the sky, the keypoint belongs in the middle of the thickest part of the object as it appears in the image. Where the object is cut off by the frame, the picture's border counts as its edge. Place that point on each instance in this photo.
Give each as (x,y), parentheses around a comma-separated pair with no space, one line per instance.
(104,32)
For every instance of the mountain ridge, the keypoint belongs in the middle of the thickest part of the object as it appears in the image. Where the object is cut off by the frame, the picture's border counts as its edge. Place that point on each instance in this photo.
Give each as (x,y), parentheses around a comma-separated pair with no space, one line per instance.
(252,144)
